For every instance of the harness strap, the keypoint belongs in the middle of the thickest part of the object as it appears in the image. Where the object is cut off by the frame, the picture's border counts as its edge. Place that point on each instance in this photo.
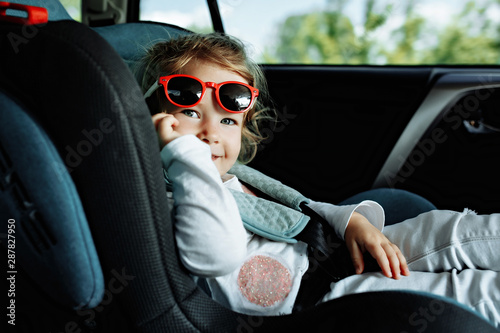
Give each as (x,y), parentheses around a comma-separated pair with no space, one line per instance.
(269,219)
(280,221)
(272,187)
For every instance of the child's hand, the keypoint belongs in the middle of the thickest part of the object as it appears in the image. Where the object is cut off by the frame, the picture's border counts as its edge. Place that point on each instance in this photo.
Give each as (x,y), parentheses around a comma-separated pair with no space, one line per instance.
(362,236)
(165,128)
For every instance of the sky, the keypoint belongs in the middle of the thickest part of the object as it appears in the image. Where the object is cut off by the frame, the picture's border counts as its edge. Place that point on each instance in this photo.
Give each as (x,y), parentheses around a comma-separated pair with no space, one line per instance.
(252,21)
(255,21)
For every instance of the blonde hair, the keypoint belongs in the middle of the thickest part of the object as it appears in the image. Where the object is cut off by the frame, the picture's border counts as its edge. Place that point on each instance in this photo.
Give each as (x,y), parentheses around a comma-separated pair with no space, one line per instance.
(170,57)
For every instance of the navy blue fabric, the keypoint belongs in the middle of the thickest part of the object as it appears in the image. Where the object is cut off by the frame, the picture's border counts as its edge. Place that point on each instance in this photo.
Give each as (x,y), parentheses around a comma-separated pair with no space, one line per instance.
(131,40)
(399,205)
(53,240)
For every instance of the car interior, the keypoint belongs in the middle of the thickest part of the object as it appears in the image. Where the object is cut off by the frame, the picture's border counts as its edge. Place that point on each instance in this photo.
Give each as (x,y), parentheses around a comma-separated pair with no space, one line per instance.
(87,233)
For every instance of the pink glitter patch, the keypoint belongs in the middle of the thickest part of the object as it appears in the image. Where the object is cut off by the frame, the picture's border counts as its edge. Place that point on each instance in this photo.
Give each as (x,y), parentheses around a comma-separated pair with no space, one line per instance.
(264,281)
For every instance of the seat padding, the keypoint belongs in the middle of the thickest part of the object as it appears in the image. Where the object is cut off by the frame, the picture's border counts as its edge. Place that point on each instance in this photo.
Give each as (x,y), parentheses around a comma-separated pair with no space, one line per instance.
(131,40)
(52,238)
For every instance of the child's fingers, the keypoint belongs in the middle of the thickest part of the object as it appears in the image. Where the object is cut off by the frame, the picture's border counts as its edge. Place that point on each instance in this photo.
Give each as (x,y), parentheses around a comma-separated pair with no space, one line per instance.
(402,261)
(393,259)
(380,255)
(165,124)
(356,257)
(164,119)
(157,117)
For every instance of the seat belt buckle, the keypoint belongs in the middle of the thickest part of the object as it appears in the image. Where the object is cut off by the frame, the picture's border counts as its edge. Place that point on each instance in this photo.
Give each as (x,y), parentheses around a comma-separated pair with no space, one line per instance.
(32,15)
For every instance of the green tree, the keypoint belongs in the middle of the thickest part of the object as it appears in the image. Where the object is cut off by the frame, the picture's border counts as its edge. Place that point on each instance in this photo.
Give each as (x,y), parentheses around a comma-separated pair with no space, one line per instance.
(406,37)
(471,39)
(309,39)
(202,29)
(74,8)
(329,37)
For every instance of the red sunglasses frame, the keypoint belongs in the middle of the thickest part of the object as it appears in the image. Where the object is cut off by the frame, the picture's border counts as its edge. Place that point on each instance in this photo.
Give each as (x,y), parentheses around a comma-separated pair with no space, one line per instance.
(163,80)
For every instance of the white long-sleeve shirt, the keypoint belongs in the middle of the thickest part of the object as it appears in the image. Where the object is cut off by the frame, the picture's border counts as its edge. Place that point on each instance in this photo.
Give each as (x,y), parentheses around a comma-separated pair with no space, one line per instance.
(245,272)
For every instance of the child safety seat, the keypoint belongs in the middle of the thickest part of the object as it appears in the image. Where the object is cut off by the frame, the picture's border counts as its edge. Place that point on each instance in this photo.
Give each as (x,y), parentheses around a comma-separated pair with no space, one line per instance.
(84,221)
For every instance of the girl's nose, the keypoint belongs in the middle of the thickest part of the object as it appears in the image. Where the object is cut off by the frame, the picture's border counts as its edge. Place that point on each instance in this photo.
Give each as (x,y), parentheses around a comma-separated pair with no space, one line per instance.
(209,132)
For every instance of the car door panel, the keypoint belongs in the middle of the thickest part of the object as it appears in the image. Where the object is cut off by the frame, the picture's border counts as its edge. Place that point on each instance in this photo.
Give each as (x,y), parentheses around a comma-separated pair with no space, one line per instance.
(345,129)
(336,125)
(456,162)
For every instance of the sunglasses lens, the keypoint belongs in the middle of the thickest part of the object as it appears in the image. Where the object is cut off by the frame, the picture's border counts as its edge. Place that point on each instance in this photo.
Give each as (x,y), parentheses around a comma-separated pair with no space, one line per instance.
(235,97)
(184,90)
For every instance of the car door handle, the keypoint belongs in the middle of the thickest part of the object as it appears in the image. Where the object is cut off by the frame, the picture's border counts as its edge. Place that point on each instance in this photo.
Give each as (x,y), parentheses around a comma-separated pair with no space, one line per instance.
(479,124)
(480,127)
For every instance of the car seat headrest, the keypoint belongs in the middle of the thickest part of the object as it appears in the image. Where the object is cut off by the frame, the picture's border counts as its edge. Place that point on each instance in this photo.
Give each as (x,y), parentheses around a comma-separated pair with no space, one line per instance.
(131,40)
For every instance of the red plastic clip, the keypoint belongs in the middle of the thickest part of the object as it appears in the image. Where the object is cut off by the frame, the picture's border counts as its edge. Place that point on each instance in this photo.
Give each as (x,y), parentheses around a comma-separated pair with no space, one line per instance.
(36,15)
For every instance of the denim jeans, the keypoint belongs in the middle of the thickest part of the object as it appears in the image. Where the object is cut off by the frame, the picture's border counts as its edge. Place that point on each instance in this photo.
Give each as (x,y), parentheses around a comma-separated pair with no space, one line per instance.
(450,254)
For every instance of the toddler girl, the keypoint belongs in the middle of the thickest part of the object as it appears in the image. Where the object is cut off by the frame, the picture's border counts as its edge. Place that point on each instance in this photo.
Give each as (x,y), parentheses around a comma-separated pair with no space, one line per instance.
(207,96)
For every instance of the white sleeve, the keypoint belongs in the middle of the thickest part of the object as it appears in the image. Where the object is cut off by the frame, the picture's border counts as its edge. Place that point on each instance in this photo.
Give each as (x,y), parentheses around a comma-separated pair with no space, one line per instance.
(338,216)
(208,229)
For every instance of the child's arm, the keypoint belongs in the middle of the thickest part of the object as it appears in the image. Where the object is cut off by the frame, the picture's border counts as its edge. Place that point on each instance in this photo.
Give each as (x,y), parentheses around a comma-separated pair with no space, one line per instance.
(339,216)
(362,236)
(208,229)
(360,226)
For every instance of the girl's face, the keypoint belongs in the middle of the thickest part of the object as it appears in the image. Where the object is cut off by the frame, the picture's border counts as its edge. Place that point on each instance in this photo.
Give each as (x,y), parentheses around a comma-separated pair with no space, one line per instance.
(219,129)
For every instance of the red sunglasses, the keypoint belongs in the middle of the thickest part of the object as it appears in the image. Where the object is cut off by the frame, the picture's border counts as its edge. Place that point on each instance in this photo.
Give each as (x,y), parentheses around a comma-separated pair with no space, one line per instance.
(187,91)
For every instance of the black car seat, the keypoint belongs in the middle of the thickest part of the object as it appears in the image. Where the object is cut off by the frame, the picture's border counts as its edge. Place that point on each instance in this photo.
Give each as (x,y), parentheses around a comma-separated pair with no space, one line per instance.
(78,149)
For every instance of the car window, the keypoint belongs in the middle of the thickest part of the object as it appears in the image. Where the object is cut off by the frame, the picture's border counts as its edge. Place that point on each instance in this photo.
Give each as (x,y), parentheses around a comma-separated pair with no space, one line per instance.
(373,32)
(376,32)
(74,8)
(190,14)
(259,22)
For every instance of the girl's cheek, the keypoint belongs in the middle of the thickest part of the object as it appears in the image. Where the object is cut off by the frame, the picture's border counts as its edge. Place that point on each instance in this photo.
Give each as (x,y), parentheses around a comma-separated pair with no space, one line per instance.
(186,126)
